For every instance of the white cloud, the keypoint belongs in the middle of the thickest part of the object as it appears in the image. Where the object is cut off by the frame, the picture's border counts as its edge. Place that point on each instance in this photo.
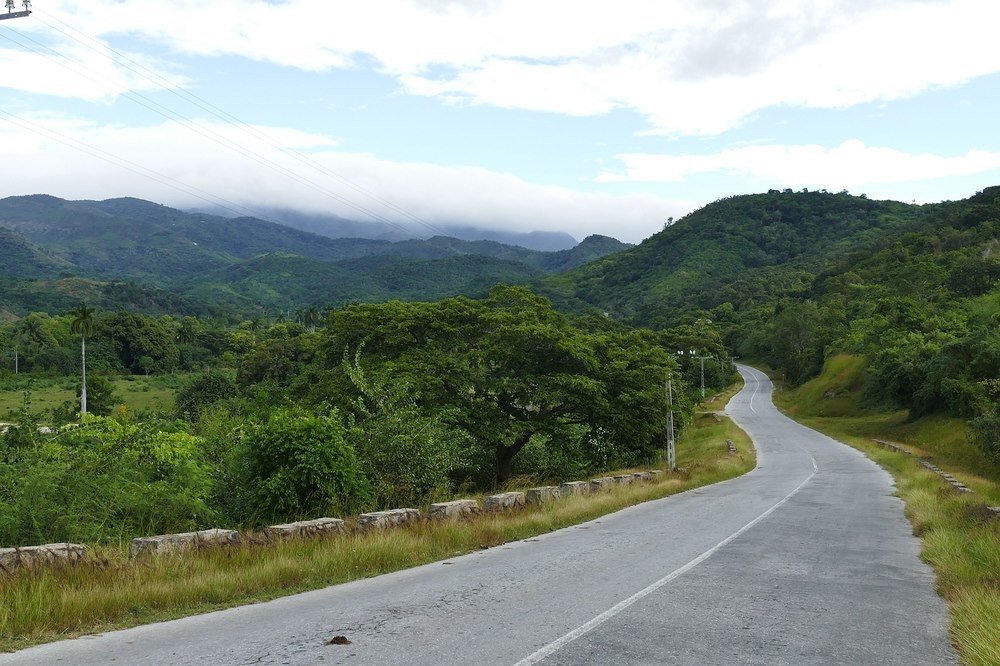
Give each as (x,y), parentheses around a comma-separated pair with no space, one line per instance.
(689,66)
(82,160)
(77,71)
(850,165)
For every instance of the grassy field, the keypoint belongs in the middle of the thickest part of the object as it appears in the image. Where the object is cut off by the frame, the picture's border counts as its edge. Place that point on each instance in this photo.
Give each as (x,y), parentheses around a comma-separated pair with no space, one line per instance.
(141,394)
(110,591)
(960,538)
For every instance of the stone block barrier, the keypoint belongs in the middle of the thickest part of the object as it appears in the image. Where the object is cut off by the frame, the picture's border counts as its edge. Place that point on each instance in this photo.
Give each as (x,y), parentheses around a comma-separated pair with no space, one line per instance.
(305,528)
(731,447)
(601,483)
(456,509)
(892,447)
(385,519)
(12,559)
(504,502)
(952,481)
(26,557)
(541,495)
(177,543)
(574,488)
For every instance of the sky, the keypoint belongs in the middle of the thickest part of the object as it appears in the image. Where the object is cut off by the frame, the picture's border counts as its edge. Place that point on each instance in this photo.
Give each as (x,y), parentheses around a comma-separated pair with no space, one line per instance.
(584,116)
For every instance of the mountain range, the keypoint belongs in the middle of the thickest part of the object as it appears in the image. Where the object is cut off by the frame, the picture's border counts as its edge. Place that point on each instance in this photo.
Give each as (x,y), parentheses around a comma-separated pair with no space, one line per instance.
(92,250)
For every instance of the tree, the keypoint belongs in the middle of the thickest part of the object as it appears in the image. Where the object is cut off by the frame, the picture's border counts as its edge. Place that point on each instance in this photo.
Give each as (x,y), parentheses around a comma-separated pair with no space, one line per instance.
(310,318)
(300,466)
(508,370)
(83,325)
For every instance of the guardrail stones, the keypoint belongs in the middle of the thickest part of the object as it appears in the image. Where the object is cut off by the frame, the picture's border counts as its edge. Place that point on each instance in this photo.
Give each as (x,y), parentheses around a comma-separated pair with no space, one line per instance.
(601,483)
(176,543)
(390,518)
(542,494)
(12,559)
(454,509)
(574,488)
(955,483)
(504,502)
(892,447)
(305,528)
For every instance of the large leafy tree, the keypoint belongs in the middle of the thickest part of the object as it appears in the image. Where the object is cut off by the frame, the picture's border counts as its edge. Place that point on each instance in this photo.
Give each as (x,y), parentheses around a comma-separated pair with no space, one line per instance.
(83,325)
(507,370)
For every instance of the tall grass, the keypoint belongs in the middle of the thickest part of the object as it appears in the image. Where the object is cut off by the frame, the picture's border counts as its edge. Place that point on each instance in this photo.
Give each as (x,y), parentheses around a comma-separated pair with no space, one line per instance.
(110,591)
(960,537)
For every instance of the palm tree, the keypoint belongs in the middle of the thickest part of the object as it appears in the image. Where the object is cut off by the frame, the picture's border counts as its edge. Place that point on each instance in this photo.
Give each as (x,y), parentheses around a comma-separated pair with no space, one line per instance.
(310,319)
(83,324)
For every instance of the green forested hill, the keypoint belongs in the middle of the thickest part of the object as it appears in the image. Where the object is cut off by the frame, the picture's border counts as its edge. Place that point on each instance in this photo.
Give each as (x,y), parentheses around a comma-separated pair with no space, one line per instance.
(22,258)
(793,277)
(730,250)
(235,266)
(278,282)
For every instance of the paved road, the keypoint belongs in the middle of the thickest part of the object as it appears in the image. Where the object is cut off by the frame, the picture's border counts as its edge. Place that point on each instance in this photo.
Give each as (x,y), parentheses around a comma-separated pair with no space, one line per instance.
(806,560)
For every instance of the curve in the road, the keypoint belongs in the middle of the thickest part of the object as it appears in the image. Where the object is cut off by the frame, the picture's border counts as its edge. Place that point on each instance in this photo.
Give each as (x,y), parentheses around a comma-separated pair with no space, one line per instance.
(807,559)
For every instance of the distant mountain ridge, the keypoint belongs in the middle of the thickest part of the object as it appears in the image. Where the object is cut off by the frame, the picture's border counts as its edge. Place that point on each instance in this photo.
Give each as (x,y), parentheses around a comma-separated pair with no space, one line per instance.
(232,263)
(333,226)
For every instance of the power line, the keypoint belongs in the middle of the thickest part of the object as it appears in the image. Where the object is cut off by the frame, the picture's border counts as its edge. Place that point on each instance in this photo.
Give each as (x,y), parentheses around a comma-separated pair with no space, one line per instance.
(161,110)
(128,165)
(222,114)
(144,72)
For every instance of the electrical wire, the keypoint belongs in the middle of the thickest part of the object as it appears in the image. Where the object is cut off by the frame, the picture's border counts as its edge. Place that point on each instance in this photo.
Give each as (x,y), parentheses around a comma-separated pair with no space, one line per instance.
(153,77)
(159,109)
(224,115)
(129,165)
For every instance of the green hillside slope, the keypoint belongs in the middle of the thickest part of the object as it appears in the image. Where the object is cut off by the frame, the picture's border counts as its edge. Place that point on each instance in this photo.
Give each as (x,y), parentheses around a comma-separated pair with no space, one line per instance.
(243,265)
(726,250)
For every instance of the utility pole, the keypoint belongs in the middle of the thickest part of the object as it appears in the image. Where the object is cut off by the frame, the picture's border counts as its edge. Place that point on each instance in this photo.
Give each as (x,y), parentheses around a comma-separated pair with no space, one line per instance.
(702,359)
(11,14)
(671,453)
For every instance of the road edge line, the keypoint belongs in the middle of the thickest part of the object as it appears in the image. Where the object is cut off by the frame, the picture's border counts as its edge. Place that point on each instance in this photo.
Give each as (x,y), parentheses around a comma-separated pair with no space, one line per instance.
(564,640)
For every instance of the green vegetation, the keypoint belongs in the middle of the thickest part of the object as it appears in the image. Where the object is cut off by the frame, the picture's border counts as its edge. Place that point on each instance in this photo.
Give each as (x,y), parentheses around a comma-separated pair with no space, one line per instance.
(960,538)
(133,255)
(882,314)
(382,405)
(795,278)
(110,591)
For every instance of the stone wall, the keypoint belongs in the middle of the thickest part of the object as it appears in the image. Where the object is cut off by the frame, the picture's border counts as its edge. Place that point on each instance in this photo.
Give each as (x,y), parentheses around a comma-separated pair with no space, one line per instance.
(12,559)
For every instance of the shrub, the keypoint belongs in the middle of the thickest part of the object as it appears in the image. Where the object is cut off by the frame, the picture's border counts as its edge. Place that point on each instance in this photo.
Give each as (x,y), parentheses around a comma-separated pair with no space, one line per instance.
(299,465)
(203,391)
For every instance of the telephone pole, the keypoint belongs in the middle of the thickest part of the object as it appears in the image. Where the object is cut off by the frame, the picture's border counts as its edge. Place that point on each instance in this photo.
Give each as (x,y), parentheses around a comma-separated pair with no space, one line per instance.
(671,453)
(11,14)
(702,359)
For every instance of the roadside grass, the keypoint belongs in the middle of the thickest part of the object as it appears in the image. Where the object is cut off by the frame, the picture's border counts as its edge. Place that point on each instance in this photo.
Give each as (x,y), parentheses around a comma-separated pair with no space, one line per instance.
(141,394)
(960,537)
(110,591)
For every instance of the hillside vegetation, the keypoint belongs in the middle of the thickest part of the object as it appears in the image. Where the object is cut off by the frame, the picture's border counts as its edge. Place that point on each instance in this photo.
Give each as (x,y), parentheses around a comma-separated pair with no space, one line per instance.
(794,277)
(168,261)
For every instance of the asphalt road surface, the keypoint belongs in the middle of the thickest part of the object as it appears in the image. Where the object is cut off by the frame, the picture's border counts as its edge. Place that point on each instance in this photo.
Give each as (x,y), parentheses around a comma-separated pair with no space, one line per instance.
(806,560)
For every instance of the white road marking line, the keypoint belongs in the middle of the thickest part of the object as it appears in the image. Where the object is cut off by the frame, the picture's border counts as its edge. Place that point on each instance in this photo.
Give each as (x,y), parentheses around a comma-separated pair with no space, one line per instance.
(756,386)
(557,644)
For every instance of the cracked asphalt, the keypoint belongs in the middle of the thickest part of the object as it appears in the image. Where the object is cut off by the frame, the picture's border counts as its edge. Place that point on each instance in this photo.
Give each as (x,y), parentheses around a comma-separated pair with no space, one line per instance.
(806,560)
